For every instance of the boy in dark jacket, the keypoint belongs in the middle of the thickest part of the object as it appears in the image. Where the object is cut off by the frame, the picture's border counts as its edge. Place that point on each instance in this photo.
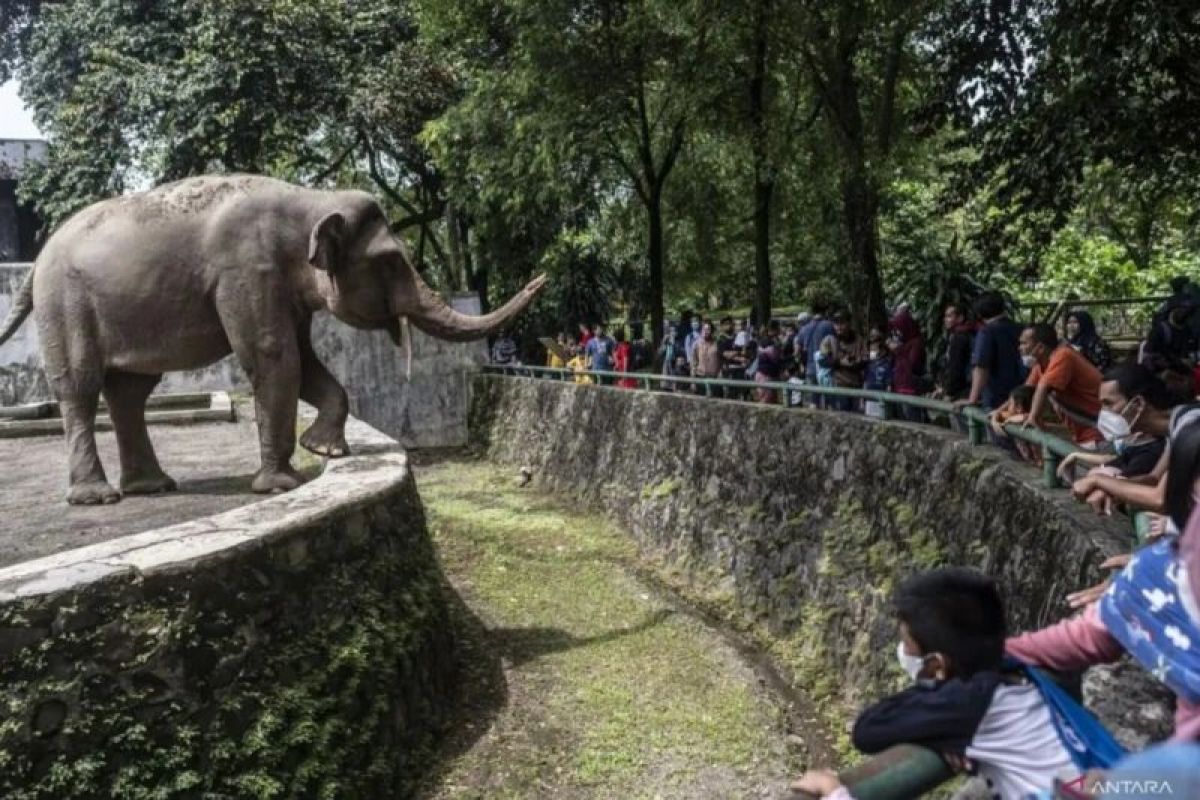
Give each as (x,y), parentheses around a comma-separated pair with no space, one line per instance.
(963,704)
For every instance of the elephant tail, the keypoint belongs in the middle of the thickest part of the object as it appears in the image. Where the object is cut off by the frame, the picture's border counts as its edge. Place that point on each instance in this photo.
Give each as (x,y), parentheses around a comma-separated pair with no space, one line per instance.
(21,308)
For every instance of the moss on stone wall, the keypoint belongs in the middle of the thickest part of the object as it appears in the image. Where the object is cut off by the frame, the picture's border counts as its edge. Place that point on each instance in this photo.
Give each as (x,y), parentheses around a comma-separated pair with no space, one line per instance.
(796,525)
(319,667)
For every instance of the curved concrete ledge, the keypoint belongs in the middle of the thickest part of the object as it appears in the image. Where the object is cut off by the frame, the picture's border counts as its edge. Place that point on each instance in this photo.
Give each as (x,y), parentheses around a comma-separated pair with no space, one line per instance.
(297,646)
(377,468)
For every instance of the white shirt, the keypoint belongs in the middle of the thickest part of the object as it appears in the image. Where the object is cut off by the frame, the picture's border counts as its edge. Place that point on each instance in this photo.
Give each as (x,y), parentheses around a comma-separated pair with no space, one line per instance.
(1016,746)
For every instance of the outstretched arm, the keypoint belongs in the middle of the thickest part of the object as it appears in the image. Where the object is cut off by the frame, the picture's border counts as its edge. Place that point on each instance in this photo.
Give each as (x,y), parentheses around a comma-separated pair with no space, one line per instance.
(1134,493)
(1068,645)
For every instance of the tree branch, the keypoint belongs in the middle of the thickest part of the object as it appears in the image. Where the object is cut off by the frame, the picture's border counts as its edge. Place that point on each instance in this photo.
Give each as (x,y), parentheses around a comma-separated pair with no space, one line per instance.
(618,155)
(337,162)
(887,103)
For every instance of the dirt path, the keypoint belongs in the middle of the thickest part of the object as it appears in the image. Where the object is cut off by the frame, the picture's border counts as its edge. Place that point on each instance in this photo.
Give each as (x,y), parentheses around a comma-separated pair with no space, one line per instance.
(586,683)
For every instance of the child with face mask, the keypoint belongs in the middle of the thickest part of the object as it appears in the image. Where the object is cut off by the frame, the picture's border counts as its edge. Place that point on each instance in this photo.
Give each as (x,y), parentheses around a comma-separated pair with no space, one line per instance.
(979,711)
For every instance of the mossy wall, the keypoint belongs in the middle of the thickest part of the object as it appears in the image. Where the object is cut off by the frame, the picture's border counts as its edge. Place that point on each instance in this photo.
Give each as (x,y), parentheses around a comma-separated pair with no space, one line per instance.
(319,664)
(798,524)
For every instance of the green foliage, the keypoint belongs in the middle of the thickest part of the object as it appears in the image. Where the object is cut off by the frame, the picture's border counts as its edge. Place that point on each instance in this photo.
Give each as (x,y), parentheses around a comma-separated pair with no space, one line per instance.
(907,150)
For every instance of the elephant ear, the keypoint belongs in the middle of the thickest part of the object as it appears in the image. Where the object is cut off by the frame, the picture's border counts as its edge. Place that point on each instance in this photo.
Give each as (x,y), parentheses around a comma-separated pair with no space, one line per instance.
(327,241)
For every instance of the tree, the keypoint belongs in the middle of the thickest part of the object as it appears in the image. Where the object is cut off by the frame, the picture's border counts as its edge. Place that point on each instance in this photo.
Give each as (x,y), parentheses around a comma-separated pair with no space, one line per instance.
(860,54)
(1050,90)
(620,81)
(137,93)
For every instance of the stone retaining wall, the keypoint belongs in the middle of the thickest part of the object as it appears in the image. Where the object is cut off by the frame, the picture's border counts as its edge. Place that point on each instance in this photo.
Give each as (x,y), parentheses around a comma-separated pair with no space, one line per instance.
(800,522)
(296,647)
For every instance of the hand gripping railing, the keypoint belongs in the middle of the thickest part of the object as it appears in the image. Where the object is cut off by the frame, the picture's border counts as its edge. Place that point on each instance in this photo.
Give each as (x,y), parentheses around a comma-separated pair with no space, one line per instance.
(901,772)
(1053,448)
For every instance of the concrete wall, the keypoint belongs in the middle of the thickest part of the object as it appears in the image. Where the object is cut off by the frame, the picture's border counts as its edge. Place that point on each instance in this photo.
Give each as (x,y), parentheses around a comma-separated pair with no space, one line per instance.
(300,646)
(798,523)
(19,224)
(430,410)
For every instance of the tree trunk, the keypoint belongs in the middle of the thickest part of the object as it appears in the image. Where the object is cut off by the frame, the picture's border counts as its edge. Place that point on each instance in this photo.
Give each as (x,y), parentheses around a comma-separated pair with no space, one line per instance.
(860,199)
(655,257)
(456,268)
(764,187)
(763,178)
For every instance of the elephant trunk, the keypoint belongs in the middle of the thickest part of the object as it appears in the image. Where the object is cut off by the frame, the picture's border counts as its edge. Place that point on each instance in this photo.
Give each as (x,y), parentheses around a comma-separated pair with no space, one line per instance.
(430,313)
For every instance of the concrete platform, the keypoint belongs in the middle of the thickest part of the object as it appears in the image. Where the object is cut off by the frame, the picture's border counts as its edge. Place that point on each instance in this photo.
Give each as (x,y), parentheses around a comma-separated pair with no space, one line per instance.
(213,463)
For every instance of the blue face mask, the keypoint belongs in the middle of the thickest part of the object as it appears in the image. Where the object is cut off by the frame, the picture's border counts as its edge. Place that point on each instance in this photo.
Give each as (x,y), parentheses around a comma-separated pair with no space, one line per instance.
(695,326)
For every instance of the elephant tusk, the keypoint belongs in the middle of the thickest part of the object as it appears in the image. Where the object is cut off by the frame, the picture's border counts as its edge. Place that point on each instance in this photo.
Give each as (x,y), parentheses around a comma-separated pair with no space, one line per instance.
(406,343)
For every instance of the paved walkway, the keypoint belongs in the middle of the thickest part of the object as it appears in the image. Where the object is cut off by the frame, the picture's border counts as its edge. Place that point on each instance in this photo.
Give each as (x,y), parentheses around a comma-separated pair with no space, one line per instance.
(585,683)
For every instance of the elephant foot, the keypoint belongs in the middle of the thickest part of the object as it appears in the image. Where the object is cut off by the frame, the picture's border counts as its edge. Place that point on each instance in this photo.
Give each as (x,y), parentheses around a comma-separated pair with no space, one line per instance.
(148,484)
(92,493)
(325,440)
(274,481)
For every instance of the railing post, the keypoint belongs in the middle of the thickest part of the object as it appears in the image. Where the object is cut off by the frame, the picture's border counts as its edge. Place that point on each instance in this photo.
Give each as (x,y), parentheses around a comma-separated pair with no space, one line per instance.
(1050,462)
(889,409)
(976,434)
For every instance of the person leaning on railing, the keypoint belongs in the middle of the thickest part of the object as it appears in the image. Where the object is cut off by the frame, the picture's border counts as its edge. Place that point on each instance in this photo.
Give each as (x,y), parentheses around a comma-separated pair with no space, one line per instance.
(1153,609)
(996,360)
(1145,492)
(1135,413)
(1060,374)
(965,701)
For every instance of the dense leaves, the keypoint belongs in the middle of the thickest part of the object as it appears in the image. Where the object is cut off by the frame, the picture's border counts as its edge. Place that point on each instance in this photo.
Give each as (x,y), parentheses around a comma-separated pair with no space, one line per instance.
(653,155)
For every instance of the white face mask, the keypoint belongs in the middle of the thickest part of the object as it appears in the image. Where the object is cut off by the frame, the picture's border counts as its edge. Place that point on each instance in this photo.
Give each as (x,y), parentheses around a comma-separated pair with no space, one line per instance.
(1028,361)
(1112,426)
(910,664)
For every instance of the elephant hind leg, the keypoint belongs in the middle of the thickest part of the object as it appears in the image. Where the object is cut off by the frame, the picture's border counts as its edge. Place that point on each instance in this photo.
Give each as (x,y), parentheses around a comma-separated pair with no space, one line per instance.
(126,394)
(78,396)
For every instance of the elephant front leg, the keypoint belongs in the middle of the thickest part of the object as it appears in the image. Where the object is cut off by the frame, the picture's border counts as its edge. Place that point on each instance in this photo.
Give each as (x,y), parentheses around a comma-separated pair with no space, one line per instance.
(263,337)
(327,435)
(276,384)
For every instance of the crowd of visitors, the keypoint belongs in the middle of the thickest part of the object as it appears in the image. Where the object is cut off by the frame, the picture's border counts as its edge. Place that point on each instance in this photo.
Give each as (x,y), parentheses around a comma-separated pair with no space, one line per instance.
(978,696)
(1019,374)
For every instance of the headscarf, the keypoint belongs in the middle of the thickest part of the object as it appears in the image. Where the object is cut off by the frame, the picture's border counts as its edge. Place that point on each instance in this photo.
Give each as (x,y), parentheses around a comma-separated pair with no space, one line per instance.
(1153,610)
(1087,328)
(904,324)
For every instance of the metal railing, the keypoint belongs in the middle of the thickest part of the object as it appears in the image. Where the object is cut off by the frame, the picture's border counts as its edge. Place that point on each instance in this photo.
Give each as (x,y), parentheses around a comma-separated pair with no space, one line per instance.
(1122,319)
(1053,448)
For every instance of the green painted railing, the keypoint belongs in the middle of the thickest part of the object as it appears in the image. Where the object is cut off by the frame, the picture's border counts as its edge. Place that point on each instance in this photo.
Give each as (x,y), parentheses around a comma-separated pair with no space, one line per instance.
(1053,448)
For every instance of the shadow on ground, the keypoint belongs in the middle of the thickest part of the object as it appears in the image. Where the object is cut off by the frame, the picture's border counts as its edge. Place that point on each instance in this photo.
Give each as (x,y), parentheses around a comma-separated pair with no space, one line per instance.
(484,654)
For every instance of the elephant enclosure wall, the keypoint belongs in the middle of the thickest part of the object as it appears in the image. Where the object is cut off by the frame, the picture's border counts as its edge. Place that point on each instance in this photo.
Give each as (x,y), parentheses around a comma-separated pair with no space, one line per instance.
(800,523)
(298,646)
(428,410)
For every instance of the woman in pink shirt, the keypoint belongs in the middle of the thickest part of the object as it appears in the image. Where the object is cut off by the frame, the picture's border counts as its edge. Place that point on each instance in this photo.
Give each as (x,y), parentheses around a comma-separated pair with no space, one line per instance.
(1155,619)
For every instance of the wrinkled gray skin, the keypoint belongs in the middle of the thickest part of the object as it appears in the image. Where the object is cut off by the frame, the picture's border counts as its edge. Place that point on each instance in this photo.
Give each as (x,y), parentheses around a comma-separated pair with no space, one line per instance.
(178,277)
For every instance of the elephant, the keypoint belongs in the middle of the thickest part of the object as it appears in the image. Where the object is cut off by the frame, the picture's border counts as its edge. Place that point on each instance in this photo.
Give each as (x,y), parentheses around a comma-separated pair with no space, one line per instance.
(179,276)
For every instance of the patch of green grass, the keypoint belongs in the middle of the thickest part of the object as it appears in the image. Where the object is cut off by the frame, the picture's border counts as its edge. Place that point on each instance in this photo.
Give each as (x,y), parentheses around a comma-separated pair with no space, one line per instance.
(642,700)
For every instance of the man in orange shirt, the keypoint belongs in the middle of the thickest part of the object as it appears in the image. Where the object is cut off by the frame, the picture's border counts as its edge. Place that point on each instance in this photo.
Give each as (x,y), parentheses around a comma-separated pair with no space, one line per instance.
(1067,378)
